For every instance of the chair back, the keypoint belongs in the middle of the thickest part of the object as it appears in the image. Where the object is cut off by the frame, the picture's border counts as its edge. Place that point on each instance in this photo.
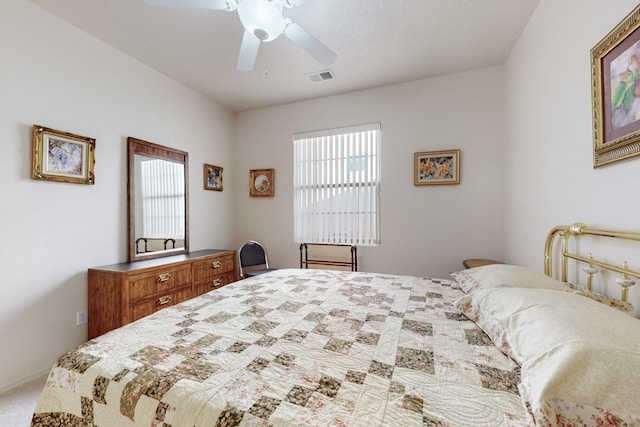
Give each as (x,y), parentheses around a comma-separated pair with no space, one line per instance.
(252,254)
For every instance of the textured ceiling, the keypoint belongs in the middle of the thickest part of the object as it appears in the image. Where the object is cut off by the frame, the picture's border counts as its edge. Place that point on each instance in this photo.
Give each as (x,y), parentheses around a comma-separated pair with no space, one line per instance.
(378,42)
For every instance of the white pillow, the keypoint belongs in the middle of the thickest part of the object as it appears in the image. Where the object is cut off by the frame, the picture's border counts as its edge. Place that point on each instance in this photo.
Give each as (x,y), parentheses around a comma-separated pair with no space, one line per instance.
(580,359)
(505,276)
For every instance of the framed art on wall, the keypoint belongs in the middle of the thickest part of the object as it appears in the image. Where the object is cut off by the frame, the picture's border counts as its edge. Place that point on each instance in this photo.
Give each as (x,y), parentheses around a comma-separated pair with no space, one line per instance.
(615,74)
(212,177)
(436,167)
(62,156)
(261,182)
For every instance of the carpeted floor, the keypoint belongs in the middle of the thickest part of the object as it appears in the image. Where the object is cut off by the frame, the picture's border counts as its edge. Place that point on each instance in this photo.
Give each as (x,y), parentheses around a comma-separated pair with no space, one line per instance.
(17,405)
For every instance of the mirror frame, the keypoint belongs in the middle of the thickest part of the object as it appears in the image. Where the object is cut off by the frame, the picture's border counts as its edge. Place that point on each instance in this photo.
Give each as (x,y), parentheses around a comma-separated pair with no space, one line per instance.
(149,149)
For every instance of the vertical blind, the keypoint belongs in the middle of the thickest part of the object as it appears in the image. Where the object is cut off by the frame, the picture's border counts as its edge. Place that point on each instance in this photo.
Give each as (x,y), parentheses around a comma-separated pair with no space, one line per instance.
(337,185)
(163,199)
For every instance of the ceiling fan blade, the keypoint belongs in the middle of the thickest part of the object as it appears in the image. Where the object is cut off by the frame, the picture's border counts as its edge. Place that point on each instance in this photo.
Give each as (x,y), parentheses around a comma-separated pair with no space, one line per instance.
(197,4)
(248,52)
(306,41)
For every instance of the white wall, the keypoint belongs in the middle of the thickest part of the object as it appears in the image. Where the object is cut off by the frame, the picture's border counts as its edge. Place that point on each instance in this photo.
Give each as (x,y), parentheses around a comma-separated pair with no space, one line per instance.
(53,75)
(549,127)
(426,230)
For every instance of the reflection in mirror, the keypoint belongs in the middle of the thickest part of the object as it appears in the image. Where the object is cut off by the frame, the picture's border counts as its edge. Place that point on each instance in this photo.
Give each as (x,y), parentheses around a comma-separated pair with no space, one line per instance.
(158,200)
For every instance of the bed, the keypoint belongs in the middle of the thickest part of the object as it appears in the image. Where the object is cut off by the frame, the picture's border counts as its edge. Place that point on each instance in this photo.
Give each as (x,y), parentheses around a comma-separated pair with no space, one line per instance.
(487,346)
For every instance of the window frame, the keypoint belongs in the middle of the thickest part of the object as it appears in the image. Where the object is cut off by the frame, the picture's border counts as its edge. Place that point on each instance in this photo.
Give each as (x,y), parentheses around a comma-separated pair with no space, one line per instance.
(323,173)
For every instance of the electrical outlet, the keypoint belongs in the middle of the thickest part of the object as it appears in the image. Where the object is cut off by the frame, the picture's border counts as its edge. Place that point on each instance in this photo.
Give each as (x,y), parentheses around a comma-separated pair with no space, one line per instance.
(82,317)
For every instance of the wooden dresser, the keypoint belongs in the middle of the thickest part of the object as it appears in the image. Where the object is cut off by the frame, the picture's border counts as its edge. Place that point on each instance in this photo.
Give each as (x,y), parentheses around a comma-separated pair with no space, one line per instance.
(121,293)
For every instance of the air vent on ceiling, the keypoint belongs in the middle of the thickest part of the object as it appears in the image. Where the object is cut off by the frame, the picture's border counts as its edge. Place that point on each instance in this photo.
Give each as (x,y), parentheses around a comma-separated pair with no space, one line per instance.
(321,76)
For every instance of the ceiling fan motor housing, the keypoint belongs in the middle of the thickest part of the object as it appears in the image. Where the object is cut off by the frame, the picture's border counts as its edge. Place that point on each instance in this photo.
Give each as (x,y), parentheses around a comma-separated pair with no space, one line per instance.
(262,18)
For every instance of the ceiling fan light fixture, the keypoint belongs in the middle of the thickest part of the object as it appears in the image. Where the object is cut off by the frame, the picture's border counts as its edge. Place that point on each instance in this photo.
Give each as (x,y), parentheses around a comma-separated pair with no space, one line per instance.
(262,18)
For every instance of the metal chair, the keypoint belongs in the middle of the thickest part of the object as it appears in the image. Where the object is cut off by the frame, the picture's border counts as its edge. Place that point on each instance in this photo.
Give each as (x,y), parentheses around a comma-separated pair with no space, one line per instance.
(252,255)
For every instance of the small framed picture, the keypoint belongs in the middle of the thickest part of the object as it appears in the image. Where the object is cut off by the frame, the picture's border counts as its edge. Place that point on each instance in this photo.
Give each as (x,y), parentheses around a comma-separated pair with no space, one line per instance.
(437,167)
(62,156)
(261,182)
(212,177)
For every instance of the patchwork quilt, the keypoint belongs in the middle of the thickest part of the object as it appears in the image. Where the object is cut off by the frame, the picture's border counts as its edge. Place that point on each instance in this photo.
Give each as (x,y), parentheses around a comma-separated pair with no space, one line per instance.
(293,347)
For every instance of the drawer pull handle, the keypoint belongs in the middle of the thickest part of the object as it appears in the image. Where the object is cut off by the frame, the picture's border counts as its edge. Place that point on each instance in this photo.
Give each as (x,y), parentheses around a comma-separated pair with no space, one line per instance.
(216,264)
(164,300)
(216,282)
(164,277)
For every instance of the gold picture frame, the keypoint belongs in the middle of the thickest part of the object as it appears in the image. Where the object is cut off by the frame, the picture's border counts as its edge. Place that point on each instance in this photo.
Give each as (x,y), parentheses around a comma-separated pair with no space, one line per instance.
(62,156)
(261,182)
(436,167)
(213,177)
(615,73)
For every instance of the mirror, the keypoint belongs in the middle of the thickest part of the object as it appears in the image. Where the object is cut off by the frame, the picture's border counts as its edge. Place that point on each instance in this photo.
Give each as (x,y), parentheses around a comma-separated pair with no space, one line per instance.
(158,200)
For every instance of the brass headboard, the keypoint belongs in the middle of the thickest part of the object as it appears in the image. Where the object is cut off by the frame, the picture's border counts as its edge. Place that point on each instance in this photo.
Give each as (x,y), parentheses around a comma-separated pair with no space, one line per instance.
(566,232)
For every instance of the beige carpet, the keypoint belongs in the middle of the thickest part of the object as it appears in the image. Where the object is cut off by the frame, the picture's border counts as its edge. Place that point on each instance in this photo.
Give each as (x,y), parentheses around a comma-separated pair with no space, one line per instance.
(17,405)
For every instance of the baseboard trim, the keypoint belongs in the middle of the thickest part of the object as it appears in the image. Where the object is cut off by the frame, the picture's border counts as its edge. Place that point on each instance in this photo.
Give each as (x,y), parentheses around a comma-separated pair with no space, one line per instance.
(5,388)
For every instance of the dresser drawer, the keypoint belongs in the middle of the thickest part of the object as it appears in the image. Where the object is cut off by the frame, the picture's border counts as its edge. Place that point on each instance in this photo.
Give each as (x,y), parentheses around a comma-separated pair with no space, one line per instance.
(214,266)
(215,283)
(148,306)
(158,281)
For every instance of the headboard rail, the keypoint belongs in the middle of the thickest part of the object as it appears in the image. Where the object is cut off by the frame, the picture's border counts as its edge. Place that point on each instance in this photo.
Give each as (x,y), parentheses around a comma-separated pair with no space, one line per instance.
(566,232)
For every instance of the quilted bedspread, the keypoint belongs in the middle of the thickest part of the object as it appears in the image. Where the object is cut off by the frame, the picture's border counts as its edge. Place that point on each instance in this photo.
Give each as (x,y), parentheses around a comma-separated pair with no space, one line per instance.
(293,347)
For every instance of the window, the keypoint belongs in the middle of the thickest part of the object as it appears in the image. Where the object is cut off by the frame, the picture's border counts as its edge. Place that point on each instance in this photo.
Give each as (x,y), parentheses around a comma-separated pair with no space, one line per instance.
(336,185)
(163,199)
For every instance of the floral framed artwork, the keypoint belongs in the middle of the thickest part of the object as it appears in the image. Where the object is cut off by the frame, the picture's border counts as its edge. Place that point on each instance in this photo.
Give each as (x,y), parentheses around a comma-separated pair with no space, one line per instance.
(261,182)
(615,73)
(62,156)
(437,167)
(212,177)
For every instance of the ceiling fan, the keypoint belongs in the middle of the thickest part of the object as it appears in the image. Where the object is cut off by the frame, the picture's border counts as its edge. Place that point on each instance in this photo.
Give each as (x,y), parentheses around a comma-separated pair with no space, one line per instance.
(263,21)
